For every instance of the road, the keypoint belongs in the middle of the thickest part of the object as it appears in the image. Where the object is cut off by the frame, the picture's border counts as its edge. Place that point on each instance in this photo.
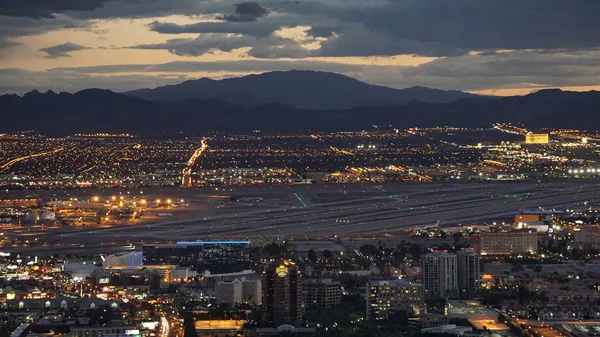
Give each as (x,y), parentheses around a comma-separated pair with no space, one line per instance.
(164,327)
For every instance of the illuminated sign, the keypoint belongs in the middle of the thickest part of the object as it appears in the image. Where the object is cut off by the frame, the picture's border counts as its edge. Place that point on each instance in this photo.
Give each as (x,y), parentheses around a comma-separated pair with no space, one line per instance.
(282,271)
(4,254)
(150,325)
(104,280)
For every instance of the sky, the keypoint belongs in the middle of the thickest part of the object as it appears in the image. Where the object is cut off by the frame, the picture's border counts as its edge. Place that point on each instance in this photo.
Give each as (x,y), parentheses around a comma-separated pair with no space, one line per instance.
(494,47)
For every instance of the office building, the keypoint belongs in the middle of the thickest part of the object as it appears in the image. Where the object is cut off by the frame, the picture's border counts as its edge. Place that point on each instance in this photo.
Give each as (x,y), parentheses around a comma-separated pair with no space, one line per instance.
(215,256)
(385,297)
(537,138)
(252,291)
(587,237)
(282,293)
(323,293)
(468,273)
(440,275)
(523,241)
(229,292)
(238,291)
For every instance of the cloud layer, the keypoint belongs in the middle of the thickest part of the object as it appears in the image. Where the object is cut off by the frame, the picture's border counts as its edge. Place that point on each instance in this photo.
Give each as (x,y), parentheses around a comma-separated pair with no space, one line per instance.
(61,50)
(477,44)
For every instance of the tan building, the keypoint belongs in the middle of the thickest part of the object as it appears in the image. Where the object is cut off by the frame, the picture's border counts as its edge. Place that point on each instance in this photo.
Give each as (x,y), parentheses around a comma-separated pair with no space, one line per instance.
(521,241)
(537,138)
(238,291)
(323,293)
(587,237)
(386,296)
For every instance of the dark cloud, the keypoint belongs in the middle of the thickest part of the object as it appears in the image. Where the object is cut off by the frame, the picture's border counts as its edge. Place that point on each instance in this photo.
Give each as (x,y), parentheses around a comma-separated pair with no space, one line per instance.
(261,47)
(61,50)
(201,45)
(21,26)
(322,31)
(6,43)
(246,28)
(46,8)
(246,12)
(451,26)
(356,40)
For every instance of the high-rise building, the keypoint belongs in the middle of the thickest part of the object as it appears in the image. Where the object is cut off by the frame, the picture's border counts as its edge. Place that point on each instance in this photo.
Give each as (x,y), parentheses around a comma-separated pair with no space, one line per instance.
(229,292)
(323,293)
(252,291)
(282,293)
(384,297)
(468,273)
(238,291)
(521,241)
(215,256)
(440,271)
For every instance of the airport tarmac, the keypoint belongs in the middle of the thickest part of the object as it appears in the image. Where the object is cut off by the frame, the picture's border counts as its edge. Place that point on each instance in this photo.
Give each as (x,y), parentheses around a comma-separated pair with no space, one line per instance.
(323,211)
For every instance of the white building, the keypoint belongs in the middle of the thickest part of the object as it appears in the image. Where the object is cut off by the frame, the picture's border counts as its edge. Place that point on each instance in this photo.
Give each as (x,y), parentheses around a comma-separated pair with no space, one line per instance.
(440,275)
(468,273)
(238,291)
(229,292)
(252,291)
(123,259)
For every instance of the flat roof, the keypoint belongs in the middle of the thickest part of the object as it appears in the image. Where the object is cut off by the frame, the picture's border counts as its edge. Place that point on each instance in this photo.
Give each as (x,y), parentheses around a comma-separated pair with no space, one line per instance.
(213,243)
(219,324)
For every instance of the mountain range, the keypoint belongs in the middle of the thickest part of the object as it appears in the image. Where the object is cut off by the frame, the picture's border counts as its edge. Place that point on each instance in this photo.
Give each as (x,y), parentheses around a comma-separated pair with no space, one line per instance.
(96,110)
(296,88)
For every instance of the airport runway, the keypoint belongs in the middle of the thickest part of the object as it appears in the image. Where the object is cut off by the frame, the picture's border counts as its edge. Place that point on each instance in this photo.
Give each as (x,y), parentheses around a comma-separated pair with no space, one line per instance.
(348,211)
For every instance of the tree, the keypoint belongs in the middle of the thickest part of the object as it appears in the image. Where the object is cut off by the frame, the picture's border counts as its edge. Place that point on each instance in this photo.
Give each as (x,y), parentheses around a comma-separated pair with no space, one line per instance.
(327,254)
(189,326)
(312,256)
(415,250)
(369,250)
(273,249)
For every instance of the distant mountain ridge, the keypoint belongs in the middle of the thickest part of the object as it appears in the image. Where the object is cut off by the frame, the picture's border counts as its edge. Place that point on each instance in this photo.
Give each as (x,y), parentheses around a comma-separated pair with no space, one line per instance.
(297,88)
(96,110)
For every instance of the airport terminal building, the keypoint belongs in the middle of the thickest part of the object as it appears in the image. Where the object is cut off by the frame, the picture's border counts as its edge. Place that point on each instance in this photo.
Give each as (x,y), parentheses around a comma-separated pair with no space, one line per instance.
(215,256)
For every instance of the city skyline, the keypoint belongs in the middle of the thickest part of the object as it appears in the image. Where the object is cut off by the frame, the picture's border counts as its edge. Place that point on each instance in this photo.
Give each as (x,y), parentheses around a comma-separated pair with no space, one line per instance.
(124,45)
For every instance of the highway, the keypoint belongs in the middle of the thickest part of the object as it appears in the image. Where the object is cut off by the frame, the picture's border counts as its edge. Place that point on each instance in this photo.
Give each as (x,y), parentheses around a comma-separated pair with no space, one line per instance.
(186,180)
